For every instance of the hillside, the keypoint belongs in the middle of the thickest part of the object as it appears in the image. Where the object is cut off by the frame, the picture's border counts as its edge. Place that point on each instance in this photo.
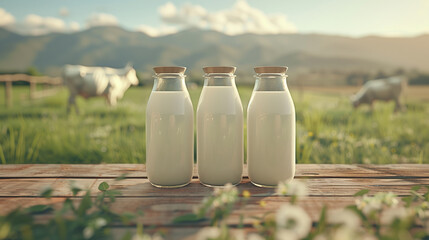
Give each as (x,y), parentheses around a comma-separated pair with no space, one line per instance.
(113,46)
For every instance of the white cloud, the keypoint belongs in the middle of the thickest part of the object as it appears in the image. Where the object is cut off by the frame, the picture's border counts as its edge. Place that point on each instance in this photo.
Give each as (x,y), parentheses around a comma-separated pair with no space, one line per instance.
(155,32)
(64,12)
(6,18)
(101,19)
(241,18)
(168,10)
(38,25)
(74,26)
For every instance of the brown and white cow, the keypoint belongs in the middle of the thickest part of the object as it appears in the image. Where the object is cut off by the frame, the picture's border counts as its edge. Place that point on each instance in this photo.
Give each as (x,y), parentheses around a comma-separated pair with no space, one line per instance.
(97,81)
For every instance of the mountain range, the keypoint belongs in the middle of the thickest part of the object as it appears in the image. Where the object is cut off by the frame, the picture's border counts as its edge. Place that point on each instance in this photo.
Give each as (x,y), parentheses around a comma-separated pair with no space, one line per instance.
(195,48)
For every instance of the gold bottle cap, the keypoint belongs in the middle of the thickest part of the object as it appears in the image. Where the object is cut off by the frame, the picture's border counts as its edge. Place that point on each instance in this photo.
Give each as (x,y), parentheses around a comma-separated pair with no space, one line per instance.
(170,69)
(220,69)
(271,69)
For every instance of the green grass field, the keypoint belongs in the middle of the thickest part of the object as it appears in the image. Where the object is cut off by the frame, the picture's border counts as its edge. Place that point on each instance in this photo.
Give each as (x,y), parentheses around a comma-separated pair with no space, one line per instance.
(328,130)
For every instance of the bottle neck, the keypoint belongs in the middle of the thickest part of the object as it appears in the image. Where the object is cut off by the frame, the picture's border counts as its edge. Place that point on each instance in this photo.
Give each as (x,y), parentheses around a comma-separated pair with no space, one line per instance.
(270,82)
(169,82)
(219,79)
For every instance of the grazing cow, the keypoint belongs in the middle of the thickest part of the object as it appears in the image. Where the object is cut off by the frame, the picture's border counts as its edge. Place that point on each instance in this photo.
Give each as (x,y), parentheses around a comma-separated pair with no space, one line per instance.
(97,81)
(381,89)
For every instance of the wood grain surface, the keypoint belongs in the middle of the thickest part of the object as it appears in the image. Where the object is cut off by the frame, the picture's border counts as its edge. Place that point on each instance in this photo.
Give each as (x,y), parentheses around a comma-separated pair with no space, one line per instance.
(331,185)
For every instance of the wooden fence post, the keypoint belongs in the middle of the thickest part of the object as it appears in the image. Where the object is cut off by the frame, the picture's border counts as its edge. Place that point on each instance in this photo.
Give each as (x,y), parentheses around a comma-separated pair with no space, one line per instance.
(8,93)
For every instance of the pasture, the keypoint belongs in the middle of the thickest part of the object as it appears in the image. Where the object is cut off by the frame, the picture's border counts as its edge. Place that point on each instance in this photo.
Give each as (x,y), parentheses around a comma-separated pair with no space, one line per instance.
(328,129)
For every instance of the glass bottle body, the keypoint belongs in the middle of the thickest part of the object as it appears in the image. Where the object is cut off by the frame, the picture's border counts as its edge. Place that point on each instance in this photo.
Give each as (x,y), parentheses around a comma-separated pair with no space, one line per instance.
(219,131)
(270,131)
(169,132)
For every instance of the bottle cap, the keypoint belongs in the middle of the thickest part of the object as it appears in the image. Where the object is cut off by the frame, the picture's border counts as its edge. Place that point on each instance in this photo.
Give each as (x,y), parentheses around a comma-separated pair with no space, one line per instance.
(220,69)
(170,69)
(271,69)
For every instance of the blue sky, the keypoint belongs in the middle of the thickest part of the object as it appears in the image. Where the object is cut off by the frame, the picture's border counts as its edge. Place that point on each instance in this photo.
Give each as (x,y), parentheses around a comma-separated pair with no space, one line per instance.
(350,18)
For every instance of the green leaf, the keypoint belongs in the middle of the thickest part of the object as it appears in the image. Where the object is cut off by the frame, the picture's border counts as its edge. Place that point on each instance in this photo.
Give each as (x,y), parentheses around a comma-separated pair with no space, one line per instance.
(67,205)
(426,196)
(113,193)
(191,217)
(47,193)
(127,217)
(85,204)
(122,177)
(103,186)
(416,188)
(322,220)
(4,230)
(140,213)
(37,209)
(361,192)
(407,200)
(127,236)
(75,190)
(241,222)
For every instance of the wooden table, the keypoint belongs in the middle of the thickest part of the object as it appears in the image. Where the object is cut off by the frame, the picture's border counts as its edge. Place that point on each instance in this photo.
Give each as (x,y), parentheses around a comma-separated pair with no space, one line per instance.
(333,185)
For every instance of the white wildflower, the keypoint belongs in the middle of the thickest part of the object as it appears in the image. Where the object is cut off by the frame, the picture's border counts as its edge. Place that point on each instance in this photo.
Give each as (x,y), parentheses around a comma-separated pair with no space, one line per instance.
(344,217)
(208,233)
(284,234)
(254,236)
(293,218)
(389,199)
(344,233)
(224,198)
(229,187)
(391,214)
(239,234)
(293,188)
(216,203)
(226,189)
(217,191)
(100,222)
(369,204)
(88,232)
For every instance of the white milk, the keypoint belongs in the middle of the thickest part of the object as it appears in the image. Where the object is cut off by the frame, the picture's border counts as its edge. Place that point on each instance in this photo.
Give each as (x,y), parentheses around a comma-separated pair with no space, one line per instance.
(271,137)
(169,138)
(219,136)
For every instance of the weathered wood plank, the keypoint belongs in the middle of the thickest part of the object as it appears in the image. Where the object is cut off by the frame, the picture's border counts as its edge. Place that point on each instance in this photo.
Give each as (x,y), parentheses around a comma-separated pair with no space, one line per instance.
(139,171)
(411,170)
(33,187)
(140,187)
(72,170)
(331,185)
(161,211)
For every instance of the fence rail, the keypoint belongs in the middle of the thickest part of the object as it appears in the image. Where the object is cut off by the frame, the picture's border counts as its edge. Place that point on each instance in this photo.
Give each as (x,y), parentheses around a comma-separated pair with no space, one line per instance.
(8,79)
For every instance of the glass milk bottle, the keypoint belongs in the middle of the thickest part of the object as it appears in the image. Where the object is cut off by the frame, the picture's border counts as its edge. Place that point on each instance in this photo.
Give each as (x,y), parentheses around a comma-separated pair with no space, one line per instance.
(270,129)
(219,129)
(169,130)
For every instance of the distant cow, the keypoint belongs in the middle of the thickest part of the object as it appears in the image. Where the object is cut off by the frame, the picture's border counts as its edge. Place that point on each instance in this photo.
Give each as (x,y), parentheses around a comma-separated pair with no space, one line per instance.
(97,81)
(381,89)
